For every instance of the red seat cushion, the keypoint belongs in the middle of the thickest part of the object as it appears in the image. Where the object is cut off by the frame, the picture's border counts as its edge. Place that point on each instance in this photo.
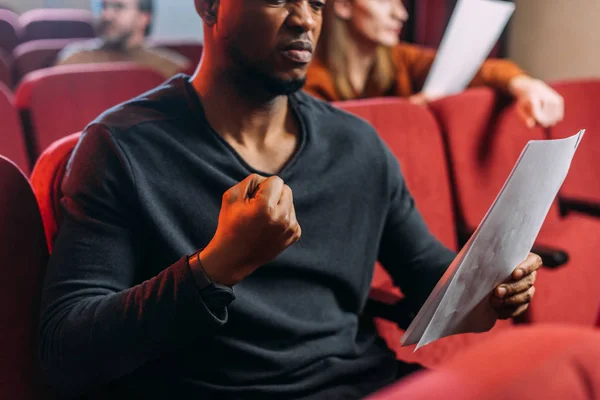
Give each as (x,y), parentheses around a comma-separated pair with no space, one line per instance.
(581,111)
(485,138)
(536,363)
(12,142)
(24,256)
(46,180)
(64,99)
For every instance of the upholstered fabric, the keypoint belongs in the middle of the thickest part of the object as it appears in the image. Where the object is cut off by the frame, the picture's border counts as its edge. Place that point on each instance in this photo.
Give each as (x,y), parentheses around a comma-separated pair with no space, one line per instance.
(190,50)
(414,137)
(12,142)
(37,54)
(5,74)
(9,30)
(485,138)
(581,112)
(535,363)
(24,256)
(46,180)
(56,23)
(62,100)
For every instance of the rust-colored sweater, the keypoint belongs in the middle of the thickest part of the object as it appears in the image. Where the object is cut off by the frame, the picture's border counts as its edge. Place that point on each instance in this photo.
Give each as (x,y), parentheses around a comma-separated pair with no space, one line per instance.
(412,65)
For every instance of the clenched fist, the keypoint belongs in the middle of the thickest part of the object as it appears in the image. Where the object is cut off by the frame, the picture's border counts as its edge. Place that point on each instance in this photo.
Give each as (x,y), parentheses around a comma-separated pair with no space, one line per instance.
(256,223)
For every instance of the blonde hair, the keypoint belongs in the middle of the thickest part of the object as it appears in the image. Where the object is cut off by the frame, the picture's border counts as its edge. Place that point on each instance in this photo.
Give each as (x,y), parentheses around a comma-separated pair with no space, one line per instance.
(331,53)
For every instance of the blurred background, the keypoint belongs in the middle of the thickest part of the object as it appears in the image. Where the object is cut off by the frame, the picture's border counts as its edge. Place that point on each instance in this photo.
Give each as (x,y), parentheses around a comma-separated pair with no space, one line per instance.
(561,31)
(174,19)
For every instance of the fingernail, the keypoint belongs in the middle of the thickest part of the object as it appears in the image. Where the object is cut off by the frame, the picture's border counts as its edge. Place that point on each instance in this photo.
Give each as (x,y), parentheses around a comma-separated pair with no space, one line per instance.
(501,291)
(519,273)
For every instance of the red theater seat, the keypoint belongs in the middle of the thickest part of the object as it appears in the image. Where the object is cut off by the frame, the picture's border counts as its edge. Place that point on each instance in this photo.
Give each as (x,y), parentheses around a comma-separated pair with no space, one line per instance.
(46,179)
(12,143)
(582,187)
(24,256)
(5,75)
(414,137)
(56,23)
(58,101)
(485,138)
(189,49)
(541,362)
(37,54)
(10,30)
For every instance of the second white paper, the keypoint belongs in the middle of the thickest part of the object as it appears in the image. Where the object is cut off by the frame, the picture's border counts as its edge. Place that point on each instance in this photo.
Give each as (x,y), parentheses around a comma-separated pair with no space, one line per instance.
(474,28)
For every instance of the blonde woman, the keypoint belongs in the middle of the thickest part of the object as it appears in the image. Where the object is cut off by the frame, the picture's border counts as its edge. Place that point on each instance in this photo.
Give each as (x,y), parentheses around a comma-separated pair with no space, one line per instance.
(359,55)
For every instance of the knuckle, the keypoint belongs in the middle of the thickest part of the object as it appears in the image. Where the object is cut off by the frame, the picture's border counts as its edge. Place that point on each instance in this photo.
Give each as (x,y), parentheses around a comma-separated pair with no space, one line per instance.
(266,213)
(275,178)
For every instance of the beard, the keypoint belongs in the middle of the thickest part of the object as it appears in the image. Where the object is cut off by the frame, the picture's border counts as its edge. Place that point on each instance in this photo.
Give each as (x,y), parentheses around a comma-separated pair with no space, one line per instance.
(117,42)
(251,76)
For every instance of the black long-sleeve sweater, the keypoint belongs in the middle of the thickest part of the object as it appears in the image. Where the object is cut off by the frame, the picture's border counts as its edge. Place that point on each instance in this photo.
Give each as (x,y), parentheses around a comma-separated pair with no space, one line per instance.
(143,190)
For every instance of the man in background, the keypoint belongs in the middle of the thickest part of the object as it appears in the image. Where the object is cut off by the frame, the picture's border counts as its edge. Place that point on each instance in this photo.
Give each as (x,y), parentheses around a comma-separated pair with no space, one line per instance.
(122,31)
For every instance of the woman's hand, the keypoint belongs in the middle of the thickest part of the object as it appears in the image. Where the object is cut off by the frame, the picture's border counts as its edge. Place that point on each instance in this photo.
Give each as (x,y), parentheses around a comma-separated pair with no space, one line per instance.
(536,101)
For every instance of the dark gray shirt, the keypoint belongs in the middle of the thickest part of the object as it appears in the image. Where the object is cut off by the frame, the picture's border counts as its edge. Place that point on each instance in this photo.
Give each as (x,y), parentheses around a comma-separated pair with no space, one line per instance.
(143,190)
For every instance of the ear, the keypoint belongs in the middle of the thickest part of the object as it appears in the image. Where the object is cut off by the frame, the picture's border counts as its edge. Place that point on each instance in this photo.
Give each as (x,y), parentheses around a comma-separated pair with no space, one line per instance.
(342,9)
(208,10)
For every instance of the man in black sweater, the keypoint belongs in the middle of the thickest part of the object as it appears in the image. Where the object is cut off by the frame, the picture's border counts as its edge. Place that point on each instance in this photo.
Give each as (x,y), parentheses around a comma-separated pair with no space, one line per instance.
(185,268)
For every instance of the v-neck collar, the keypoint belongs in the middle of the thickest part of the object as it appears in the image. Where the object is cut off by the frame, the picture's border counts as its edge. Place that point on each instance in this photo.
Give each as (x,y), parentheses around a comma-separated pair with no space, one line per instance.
(295,105)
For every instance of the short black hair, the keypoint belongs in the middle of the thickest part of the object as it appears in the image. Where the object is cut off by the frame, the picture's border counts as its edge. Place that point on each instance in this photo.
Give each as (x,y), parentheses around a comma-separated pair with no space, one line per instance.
(147,6)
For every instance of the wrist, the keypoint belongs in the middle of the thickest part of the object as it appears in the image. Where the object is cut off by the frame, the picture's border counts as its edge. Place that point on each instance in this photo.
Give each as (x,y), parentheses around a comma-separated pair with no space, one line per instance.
(215,267)
(202,279)
(520,84)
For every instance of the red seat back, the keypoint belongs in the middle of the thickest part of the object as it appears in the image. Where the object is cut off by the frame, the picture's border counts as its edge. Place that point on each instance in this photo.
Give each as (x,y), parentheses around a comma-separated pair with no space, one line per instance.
(46,179)
(24,256)
(581,111)
(58,101)
(484,140)
(190,50)
(12,141)
(56,23)
(10,29)
(414,137)
(5,74)
(37,54)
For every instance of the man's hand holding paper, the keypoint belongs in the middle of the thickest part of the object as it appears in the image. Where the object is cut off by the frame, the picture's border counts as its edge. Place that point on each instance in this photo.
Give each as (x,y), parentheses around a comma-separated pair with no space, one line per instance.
(485,266)
(512,298)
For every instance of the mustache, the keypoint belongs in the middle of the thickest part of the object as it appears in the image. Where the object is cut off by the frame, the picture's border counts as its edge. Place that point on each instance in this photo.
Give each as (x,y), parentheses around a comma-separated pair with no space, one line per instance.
(298,44)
